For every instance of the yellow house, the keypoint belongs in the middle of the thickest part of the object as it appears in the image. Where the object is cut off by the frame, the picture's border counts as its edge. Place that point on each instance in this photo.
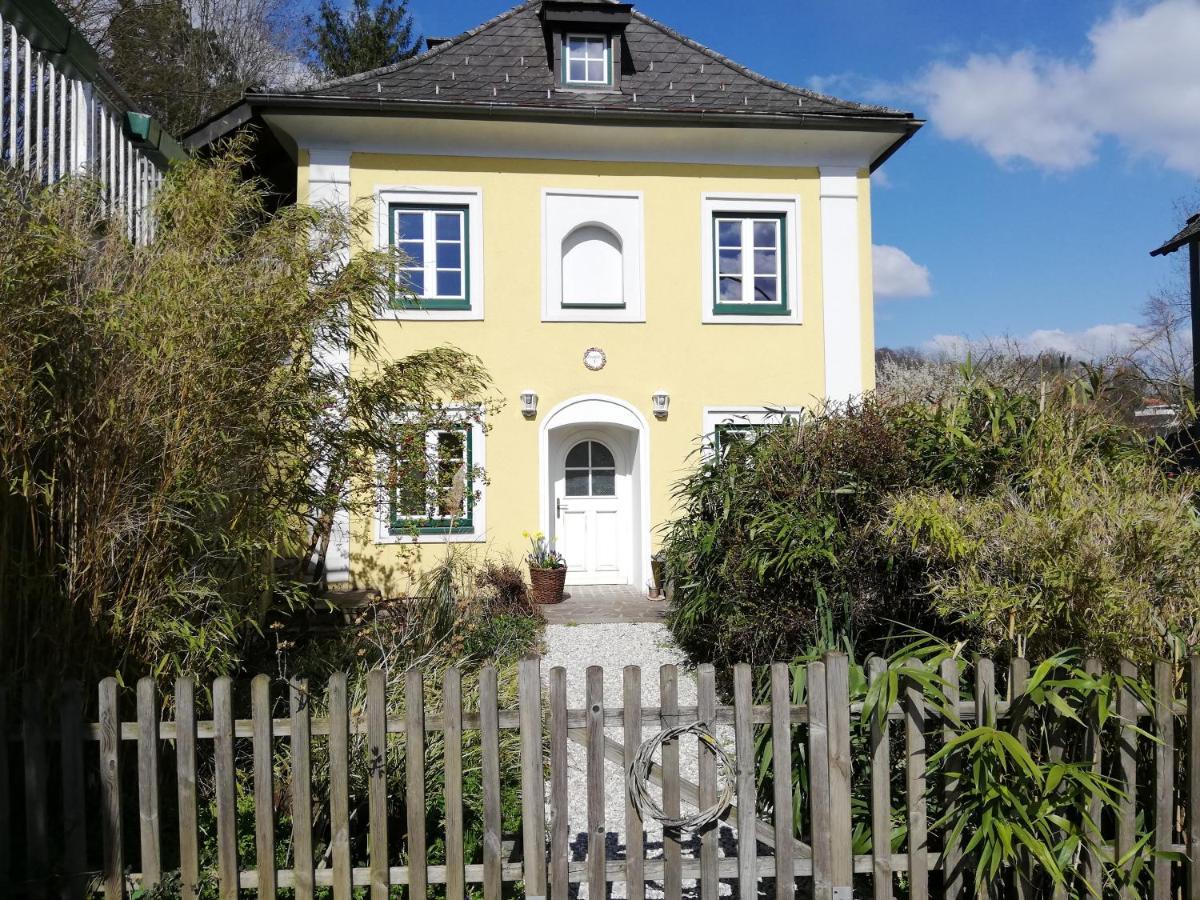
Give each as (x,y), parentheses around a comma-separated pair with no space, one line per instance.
(647,244)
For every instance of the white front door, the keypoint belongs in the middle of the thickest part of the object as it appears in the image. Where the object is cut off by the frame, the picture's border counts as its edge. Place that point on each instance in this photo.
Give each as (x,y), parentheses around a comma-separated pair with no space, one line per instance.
(589,514)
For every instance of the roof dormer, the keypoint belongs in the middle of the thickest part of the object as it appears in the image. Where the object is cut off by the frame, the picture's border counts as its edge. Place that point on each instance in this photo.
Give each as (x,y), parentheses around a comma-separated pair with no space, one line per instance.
(585,42)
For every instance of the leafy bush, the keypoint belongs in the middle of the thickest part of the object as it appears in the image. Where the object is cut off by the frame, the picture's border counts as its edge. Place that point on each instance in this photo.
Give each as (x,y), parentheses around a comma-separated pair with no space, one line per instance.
(172,448)
(994,514)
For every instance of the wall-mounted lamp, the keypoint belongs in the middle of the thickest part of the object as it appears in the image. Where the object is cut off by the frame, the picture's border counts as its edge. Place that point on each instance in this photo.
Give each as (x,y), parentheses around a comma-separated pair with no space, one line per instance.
(660,401)
(529,404)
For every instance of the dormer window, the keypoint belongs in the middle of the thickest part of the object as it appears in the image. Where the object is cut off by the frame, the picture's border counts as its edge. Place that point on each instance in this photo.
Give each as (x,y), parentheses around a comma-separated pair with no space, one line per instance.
(587,60)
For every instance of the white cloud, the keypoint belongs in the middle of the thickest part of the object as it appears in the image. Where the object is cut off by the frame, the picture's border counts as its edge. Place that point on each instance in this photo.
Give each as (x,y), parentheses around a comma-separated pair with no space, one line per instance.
(1139,84)
(897,275)
(880,179)
(1096,343)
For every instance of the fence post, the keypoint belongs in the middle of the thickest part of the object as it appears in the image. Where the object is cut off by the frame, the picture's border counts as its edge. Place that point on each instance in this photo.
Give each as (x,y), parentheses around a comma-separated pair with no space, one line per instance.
(489,749)
(706,700)
(452,719)
(74,812)
(185,769)
(743,730)
(339,785)
(301,747)
(781,768)
(1127,709)
(596,849)
(952,858)
(377,783)
(37,825)
(985,714)
(635,850)
(264,784)
(147,763)
(837,687)
(818,782)
(414,782)
(533,807)
(1193,776)
(559,813)
(1164,775)
(5,810)
(668,691)
(224,787)
(881,791)
(914,738)
(110,790)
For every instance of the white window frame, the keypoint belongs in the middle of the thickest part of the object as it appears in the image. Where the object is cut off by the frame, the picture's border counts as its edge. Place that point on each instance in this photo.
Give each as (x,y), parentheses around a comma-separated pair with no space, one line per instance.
(428,197)
(751,416)
(478,532)
(712,206)
(429,246)
(607,60)
(621,212)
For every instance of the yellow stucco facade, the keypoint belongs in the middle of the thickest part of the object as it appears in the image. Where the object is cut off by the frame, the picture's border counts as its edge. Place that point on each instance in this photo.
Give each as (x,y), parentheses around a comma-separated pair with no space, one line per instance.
(699,365)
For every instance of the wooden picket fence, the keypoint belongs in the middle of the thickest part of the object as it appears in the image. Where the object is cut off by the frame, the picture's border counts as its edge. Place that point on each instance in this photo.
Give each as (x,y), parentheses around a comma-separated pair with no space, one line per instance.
(51,752)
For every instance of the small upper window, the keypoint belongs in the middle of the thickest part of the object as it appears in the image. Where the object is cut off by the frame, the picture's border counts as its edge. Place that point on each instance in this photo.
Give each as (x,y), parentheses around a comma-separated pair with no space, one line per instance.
(434,246)
(587,60)
(591,471)
(750,264)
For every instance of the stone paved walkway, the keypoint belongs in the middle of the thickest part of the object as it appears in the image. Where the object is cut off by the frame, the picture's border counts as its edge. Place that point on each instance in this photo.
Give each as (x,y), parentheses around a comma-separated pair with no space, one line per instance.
(604,605)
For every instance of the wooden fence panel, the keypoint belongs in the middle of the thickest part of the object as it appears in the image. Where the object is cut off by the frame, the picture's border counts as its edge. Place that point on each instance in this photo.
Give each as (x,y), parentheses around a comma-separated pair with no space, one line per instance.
(6,823)
(53,741)
(1193,776)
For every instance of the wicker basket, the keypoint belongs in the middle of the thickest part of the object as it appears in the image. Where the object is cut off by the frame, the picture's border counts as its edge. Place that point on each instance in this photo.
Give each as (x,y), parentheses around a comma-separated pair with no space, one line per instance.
(548,585)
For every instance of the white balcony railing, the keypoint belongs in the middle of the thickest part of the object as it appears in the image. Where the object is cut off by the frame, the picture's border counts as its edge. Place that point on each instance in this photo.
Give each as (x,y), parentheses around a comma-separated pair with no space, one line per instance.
(62,114)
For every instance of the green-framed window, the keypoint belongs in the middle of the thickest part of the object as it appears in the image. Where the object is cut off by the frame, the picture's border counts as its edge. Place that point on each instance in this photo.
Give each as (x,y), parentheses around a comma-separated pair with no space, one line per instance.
(435,245)
(731,434)
(750,264)
(432,485)
(587,60)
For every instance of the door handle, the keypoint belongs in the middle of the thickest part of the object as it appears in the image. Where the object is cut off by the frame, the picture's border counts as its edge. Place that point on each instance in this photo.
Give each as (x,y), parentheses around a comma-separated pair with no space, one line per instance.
(558,507)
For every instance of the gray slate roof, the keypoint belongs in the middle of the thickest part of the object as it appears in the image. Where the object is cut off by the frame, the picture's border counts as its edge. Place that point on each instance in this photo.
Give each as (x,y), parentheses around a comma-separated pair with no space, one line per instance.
(503,63)
(1190,232)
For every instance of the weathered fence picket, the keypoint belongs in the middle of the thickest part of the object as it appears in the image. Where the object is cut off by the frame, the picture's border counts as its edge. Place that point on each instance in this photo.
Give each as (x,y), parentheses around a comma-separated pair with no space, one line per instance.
(339,838)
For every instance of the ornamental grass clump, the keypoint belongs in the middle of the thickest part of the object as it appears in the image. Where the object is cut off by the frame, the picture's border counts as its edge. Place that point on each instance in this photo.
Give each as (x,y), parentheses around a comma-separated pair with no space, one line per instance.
(173,438)
(1008,518)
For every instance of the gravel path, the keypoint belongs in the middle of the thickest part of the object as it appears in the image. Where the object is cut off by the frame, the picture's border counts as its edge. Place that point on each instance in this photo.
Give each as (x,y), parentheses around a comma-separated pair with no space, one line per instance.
(575,647)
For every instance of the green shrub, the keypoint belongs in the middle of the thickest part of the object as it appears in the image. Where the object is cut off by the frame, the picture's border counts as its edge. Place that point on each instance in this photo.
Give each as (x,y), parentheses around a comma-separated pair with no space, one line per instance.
(994,513)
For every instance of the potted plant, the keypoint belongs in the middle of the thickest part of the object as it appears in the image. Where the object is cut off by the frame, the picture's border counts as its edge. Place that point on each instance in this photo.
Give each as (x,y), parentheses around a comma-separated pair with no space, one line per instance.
(547,570)
(658,568)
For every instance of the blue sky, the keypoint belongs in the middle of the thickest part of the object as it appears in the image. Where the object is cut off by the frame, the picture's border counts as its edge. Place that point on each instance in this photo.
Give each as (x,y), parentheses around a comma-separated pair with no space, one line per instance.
(1061,138)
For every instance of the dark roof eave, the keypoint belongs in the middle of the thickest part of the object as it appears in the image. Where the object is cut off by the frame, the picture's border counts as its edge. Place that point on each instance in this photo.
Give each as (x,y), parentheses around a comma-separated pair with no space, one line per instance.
(1189,235)
(266,103)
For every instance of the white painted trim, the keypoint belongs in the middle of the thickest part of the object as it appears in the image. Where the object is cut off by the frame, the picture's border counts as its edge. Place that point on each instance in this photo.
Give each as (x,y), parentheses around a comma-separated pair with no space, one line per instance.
(585,141)
(329,186)
(382,524)
(762,414)
(633,254)
(422,194)
(841,289)
(789,205)
(600,409)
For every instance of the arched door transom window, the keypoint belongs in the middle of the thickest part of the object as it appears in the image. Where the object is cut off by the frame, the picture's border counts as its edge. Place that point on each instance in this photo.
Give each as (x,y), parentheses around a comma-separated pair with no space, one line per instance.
(591,471)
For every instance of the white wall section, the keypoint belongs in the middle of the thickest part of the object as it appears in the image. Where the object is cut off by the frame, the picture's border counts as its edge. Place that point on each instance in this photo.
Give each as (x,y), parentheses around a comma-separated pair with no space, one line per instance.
(841,288)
